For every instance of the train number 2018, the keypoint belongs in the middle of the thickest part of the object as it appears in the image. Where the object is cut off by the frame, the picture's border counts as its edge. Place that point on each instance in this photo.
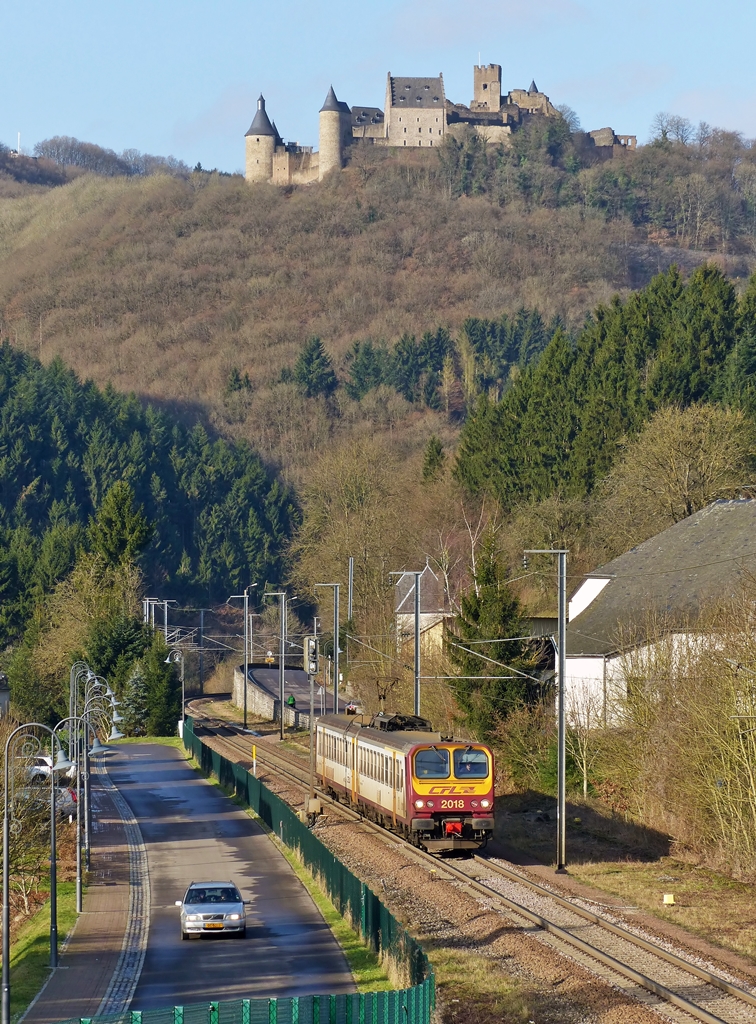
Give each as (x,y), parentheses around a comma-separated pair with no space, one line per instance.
(447,805)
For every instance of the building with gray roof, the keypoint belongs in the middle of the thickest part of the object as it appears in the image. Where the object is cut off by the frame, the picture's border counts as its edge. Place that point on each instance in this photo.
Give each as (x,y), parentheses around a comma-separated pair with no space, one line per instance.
(664,583)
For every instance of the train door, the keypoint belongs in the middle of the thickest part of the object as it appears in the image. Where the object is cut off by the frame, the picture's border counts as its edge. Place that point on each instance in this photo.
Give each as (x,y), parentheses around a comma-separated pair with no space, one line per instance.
(347,759)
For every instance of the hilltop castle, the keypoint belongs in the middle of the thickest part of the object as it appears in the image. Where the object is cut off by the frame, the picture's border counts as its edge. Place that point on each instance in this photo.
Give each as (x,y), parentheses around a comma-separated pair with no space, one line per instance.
(417,113)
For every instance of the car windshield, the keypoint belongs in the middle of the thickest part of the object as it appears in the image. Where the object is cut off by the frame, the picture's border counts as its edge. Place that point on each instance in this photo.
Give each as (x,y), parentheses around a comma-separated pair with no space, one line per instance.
(470,764)
(213,894)
(432,764)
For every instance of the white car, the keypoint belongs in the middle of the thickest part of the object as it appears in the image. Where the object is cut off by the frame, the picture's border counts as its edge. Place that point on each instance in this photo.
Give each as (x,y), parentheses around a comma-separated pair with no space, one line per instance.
(209,907)
(38,797)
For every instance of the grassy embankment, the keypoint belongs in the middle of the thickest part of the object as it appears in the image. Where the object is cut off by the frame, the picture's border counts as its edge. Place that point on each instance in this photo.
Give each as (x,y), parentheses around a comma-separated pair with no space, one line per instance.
(30,953)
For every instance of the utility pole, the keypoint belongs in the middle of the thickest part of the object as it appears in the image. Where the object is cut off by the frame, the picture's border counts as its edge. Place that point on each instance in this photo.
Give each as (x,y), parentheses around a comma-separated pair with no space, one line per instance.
(561,858)
(417,644)
(281,595)
(416,576)
(350,601)
(336,587)
(245,597)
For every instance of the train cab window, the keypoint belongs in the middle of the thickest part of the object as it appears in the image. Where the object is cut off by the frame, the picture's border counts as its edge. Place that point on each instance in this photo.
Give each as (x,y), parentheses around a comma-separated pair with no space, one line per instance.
(432,764)
(470,764)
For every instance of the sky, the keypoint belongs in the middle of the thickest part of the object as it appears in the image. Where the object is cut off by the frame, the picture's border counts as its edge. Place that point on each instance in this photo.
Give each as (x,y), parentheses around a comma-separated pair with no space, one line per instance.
(182,79)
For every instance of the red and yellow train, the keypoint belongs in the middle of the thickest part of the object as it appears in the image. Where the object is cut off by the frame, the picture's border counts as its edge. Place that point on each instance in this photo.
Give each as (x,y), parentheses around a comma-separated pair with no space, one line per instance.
(436,792)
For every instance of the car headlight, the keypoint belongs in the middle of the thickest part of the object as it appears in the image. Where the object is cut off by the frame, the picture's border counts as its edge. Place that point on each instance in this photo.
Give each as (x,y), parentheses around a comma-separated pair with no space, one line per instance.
(193,917)
(233,917)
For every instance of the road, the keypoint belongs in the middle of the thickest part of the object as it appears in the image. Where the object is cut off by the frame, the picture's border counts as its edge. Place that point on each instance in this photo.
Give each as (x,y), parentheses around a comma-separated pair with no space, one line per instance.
(193,832)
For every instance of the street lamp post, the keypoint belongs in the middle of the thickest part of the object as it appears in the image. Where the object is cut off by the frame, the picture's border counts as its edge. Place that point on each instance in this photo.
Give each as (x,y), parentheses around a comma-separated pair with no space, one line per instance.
(336,587)
(61,763)
(562,729)
(173,658)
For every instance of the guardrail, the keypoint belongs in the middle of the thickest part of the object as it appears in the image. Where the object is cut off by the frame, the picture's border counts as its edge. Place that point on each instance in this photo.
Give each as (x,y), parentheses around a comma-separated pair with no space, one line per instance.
(400,952)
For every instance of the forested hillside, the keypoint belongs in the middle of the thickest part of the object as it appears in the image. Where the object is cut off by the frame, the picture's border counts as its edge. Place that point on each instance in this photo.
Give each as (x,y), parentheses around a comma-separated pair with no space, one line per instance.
(557,428)
(201,291)
(214,514)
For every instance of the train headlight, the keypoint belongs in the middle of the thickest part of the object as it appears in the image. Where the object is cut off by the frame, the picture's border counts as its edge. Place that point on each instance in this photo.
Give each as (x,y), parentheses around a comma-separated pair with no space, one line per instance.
(419,804)
(429,803)
(485,803)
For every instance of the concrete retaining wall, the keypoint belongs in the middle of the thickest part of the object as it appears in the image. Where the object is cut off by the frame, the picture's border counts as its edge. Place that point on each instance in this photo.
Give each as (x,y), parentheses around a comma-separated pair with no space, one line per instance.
(260,703)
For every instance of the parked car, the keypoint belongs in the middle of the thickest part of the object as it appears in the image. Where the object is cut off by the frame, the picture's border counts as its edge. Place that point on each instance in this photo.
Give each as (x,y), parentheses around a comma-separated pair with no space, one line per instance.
(209,907)
(38,797)
(38,768)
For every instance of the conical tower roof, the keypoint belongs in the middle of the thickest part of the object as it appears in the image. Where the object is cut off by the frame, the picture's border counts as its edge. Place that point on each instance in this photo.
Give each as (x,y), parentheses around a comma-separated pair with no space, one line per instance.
(261,124)
(533,87)
(331,103)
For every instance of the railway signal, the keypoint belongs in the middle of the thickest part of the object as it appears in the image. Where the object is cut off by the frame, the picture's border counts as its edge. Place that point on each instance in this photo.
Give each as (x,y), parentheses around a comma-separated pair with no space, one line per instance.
(311,655)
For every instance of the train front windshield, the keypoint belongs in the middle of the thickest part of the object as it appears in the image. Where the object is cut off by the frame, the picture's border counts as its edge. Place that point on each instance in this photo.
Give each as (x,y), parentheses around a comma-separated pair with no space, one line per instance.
(432,763)
(470,764)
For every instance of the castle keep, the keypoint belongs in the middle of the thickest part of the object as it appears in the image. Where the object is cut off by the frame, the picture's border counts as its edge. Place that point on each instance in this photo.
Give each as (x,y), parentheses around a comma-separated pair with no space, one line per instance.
(417,113)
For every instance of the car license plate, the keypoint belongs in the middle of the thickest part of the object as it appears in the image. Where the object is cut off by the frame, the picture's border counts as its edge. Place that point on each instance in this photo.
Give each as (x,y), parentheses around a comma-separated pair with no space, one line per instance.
(214,924)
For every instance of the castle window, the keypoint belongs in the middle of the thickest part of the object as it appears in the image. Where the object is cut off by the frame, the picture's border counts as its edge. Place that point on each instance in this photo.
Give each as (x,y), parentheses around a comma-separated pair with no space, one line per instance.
(431,142)
(407,87)
(400,120)
(427,88)
(405,131)
(419,130)
(485,85)
(405,142)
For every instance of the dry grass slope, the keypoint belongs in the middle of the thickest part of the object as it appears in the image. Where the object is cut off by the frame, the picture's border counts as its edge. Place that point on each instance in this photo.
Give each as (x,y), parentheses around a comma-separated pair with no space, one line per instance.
(162,285)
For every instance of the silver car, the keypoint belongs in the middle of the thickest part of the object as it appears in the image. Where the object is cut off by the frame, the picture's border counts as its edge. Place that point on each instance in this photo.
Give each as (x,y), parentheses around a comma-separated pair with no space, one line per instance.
(209,907)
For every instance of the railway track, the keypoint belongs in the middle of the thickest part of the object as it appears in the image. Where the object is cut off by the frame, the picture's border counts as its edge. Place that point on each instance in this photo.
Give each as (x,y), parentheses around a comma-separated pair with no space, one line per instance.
(636,963)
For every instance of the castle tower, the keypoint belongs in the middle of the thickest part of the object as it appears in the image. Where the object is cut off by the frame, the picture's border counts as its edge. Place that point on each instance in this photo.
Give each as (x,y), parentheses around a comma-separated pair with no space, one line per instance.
(487,87)
(331,134)
(260,146)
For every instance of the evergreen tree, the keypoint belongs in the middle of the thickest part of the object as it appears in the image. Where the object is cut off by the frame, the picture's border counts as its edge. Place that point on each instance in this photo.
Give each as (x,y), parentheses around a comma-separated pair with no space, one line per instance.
(114,645)
(406,368)
(134,703)
(489,614)
(433,460)
(313,370)
(368,368)
(119,532)
(163,688)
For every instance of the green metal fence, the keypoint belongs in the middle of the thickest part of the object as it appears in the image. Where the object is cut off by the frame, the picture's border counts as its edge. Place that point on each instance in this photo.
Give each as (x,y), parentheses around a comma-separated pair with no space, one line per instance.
(406,1006)
(358,904)
(351,897)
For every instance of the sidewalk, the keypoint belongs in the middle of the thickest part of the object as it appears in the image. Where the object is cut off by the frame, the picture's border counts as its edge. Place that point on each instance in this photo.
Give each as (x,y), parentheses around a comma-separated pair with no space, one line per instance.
(78,986)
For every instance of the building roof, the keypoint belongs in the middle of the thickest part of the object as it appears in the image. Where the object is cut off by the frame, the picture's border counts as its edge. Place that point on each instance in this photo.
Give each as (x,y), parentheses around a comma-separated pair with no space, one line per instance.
(674,575)
(367,115)
(431,593)
(533,87)
(425,93)
(261,123)
(332,103)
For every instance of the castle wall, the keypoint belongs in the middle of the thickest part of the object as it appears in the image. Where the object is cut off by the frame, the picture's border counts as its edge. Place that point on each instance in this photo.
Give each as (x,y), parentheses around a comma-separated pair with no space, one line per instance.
(493,134)
(532,102)
(259,152)
(413,126)
(297,168)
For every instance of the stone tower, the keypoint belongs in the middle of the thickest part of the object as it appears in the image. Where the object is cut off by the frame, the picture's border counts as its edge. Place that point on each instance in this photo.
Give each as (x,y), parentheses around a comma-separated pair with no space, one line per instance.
(487,87)
(332,129)
(260,146)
